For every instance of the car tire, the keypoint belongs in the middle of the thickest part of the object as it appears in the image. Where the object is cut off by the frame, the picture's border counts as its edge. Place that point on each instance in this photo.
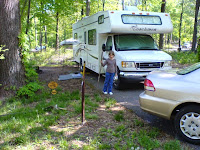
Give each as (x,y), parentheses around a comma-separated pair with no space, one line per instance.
(117,84)
(187,124)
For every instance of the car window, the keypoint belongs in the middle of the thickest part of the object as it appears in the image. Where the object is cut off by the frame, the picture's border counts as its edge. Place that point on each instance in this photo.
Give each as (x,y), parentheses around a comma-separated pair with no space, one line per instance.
(188,69)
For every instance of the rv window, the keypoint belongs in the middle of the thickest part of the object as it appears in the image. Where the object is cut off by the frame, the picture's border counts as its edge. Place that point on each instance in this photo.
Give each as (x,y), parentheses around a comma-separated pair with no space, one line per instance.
(92,37)
(109,43)
(101,19)
(141,19)
(85,37)
(75,36)
(134,42)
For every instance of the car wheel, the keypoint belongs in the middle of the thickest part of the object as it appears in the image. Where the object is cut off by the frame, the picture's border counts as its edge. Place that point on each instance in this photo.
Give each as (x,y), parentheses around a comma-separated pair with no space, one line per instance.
(117,84)
(187,124)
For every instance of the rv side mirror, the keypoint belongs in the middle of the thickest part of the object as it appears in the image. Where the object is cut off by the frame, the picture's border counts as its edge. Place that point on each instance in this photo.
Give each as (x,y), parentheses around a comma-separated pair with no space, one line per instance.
(104,47)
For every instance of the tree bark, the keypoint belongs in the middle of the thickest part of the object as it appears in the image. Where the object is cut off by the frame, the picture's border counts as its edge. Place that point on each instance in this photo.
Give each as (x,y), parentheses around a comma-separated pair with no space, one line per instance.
(35,32)
(11,68)
(194,41)
(45,35)
(87,7)
(180,26)
(162,35)
(57,34)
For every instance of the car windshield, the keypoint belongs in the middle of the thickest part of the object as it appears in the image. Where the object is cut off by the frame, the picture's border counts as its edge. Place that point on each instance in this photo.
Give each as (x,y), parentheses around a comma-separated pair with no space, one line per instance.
(188,69)
(134,42)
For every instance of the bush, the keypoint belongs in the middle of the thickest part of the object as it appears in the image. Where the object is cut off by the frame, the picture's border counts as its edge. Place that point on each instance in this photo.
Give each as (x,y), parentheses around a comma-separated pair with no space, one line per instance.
(29,89)
(184,57)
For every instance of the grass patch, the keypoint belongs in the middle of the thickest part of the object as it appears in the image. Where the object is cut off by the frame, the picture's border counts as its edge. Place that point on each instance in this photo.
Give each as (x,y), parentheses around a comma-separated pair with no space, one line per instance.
(35,123)
(110,102)
(119,116)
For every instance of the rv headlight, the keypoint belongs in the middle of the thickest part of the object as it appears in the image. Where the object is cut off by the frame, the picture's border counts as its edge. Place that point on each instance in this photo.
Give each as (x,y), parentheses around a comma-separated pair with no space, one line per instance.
(167,63)
(128,64)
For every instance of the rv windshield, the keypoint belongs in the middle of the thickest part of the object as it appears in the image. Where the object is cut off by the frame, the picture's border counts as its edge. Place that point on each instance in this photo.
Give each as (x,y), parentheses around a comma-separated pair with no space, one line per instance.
(134,42)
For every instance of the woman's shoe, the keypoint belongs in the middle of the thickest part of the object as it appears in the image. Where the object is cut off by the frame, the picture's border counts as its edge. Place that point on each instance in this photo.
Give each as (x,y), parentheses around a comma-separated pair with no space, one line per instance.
(111,93)
(105,92)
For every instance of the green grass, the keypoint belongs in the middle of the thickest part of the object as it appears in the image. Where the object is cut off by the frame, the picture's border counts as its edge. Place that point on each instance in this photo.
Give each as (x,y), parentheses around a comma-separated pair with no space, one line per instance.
(28,123)
(110,102)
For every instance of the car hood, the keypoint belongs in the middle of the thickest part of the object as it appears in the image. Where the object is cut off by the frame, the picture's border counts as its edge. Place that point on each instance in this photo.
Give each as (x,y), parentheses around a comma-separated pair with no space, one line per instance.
(146,55)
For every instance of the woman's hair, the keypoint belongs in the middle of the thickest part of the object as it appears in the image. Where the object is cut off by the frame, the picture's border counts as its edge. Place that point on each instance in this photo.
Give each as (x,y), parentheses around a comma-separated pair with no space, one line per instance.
(111,53)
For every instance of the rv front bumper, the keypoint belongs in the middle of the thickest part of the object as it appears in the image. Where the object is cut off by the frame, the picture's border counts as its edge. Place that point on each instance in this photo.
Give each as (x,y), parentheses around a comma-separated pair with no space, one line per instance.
(133,74)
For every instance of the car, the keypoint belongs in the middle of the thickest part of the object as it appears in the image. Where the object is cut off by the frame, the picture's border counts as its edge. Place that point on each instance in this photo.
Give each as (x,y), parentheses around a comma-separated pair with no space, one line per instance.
(38,48)
(175,95)
(186,45)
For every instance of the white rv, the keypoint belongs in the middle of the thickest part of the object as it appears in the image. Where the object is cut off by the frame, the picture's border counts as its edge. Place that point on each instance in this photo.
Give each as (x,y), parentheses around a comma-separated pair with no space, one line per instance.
(127,33)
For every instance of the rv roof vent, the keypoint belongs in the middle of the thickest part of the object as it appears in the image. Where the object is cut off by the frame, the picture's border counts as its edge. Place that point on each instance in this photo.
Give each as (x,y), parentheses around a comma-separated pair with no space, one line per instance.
(131,8)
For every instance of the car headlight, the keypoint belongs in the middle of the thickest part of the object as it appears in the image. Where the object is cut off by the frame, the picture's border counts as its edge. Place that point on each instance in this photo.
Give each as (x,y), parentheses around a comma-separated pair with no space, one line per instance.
(128,64)
(167,63)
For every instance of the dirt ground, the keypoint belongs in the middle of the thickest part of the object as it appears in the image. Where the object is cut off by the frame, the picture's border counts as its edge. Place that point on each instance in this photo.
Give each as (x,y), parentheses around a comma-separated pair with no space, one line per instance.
(91,127)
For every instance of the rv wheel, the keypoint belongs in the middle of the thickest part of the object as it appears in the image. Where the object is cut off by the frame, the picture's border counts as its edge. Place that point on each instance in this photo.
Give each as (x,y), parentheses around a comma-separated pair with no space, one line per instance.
(81,65)
(117,84)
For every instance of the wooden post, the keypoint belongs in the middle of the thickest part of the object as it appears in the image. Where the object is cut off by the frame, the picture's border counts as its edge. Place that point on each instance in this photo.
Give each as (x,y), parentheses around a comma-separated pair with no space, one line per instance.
(83,95)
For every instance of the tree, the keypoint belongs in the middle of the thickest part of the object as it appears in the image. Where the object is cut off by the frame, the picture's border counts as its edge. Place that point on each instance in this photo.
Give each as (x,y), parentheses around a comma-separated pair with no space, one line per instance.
(11,68)
(195,25)
(162,35)
(180,27)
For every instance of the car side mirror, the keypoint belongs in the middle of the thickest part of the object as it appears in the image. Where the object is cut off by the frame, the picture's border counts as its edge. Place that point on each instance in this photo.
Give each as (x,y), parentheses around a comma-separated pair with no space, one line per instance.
(104,47)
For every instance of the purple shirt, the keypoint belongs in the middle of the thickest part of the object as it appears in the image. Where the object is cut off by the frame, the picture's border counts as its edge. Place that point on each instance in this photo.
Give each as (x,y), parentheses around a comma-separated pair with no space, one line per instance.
(111,65)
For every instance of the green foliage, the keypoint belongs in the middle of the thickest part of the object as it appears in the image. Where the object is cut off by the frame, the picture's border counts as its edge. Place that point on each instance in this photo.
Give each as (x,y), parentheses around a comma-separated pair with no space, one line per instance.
(119,116)
(146,141)
(29,89)
(172,145)
(110,102)
(198,51)
(2,50)
(138,123)
(184,57)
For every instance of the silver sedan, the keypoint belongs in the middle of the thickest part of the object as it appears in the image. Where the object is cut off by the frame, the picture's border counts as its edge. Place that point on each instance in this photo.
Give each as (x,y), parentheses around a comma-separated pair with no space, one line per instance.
(175,95)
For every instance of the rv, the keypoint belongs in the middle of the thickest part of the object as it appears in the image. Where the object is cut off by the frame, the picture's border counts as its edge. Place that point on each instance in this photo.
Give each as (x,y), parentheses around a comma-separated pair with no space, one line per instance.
(128,34)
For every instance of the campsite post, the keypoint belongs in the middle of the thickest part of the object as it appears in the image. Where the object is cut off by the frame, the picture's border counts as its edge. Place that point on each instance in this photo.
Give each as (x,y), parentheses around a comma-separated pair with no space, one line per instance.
(83,95)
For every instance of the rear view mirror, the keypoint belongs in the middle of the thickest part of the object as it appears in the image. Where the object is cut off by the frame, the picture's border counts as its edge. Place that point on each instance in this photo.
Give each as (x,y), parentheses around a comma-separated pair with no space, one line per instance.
(104,47)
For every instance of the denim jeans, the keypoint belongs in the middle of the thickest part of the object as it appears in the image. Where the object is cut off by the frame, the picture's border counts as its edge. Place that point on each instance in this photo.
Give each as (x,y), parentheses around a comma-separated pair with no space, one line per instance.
(108,83)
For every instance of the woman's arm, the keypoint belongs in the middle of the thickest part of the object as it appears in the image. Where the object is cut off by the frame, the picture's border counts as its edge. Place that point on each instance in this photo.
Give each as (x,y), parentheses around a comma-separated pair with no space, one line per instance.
(103,63)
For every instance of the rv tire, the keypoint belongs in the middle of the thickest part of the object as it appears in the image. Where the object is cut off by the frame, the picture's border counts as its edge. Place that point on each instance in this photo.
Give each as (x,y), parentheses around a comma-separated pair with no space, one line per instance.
(81,65)
(117,84)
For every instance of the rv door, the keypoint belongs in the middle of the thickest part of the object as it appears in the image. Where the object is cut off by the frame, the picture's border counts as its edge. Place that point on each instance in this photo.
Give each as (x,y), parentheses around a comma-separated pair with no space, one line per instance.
(108,48)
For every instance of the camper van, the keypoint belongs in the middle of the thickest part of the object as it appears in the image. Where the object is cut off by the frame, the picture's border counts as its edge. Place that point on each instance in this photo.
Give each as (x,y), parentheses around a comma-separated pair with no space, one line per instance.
(128,34)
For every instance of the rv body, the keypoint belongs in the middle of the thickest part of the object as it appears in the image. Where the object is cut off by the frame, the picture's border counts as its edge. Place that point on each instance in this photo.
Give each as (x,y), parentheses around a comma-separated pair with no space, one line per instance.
(127,33)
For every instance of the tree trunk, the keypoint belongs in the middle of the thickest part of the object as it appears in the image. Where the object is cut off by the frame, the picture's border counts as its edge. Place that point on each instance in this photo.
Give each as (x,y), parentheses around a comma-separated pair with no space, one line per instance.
(28,16)
(181,19)
(57,34)
(194,41)
(87,7)
(11,68)
(162,35)
(41,34)
(35,32)
(45,35)
(41,29)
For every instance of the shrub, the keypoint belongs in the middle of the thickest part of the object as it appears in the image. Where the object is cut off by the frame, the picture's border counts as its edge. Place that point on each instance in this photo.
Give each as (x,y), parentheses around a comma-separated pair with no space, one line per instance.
(29,89)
